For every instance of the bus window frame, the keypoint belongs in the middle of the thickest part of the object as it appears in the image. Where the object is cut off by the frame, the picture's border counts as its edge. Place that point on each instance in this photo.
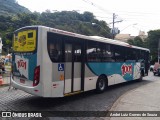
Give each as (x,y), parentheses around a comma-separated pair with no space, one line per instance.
(59,42)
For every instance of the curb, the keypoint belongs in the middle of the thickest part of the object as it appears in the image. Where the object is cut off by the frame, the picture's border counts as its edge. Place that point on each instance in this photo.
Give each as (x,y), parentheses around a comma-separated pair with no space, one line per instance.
(119,99)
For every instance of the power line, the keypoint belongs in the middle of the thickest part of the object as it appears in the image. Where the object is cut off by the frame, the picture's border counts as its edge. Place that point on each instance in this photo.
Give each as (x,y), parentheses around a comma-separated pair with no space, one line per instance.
(104,10)
(100,8)
(104,17)
(127,15)
(138,15)
(141,13)
(114,15)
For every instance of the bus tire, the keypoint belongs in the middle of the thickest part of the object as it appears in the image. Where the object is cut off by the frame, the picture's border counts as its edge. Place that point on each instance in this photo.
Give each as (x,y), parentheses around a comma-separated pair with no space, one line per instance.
(101,84)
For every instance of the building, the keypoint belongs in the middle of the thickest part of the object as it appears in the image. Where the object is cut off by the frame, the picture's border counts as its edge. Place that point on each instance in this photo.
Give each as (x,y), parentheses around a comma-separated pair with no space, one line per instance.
(125,37)
(122,37)
(142,35)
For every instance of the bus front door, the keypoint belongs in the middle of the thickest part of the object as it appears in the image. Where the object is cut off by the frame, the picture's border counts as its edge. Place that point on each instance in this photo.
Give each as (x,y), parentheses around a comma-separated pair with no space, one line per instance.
(73,68)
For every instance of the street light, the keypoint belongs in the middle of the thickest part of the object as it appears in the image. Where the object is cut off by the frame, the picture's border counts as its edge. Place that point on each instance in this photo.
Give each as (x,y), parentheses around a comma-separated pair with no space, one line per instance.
(99,26)
(129,26)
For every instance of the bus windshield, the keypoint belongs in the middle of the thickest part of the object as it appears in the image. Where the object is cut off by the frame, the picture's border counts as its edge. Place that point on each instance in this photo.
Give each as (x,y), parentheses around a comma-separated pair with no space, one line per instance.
(24,41)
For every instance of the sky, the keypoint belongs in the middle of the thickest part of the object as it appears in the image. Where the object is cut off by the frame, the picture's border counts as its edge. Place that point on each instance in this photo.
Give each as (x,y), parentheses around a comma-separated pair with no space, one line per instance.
(135,15)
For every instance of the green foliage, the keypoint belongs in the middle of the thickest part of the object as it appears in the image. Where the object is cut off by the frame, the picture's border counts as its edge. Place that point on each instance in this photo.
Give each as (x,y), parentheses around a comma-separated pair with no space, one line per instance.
(66,20)
(75,22)
(153,40)
(11,7)
(137,41)
(13,16)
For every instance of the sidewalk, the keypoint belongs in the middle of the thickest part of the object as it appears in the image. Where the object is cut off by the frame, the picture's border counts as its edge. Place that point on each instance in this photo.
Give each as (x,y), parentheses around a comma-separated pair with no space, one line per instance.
(144,98)
(6,76)
(6,80)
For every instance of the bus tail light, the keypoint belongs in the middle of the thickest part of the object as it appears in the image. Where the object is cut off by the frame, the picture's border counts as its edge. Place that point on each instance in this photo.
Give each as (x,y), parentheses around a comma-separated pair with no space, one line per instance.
(36,76)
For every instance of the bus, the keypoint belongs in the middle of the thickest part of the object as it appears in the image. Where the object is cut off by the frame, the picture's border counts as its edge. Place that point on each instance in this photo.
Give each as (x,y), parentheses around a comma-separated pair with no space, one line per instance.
(49,62)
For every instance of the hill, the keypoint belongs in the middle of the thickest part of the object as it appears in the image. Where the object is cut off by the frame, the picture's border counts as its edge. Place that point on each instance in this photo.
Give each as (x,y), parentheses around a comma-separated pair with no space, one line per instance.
(11,7)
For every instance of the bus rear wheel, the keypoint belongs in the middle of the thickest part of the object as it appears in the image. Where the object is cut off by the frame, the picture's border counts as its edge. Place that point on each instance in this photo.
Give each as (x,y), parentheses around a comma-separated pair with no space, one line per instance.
(101,84)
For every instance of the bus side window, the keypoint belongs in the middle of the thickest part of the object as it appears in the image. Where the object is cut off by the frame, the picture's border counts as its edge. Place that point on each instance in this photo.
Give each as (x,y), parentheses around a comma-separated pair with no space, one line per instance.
(131,55)
(119,53)
(93,51)
(77,53)
(107,53)
(68,53)
(54,44)
(53,52)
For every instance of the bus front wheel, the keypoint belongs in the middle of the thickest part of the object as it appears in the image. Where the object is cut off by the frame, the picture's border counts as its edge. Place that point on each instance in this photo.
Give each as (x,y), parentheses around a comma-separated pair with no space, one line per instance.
(101,84)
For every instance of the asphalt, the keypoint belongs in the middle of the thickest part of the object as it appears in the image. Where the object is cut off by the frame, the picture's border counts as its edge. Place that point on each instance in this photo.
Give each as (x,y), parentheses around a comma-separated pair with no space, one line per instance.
(143,101)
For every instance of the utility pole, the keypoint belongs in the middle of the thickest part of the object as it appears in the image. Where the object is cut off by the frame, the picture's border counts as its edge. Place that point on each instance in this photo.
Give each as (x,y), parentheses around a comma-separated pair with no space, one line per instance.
(113,28)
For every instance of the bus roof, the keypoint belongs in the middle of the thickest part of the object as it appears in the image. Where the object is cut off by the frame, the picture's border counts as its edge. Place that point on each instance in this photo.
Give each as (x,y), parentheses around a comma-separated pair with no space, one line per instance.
(94,38)
(117,42)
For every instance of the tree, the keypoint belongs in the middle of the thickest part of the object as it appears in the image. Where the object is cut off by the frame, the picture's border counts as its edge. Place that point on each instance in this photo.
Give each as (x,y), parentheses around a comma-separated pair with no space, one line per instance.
(66,20)
(137,41)
(153,39)
(75,22)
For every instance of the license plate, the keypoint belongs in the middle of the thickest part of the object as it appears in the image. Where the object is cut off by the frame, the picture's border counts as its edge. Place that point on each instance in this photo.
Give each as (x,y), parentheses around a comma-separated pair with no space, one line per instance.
(22,81)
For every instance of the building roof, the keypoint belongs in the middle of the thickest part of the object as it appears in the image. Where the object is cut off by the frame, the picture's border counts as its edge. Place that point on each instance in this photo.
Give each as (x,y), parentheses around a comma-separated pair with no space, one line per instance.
(123,37)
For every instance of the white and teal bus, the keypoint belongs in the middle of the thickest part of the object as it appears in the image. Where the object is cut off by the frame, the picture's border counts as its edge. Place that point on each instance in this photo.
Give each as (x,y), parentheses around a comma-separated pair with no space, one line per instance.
(49,62)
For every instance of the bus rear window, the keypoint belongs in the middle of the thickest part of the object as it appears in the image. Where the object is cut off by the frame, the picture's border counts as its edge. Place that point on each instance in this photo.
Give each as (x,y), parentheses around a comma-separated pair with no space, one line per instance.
(24,41)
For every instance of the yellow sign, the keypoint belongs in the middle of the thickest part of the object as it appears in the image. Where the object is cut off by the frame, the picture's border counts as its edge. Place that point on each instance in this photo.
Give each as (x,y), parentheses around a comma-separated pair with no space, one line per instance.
(61,77)
(25,41)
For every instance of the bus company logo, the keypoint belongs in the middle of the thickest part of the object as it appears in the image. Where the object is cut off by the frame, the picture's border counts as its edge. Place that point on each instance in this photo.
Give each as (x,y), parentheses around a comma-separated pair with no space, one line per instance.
(22,40)
(22,63)
(126,69)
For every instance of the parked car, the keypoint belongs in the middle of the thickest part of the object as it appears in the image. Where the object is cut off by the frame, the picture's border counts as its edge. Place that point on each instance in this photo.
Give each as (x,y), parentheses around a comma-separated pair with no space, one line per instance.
(156,69)
(151,68)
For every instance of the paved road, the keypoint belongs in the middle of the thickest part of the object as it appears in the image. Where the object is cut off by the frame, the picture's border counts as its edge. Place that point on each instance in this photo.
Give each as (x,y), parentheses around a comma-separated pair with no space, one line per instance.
(17,100)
